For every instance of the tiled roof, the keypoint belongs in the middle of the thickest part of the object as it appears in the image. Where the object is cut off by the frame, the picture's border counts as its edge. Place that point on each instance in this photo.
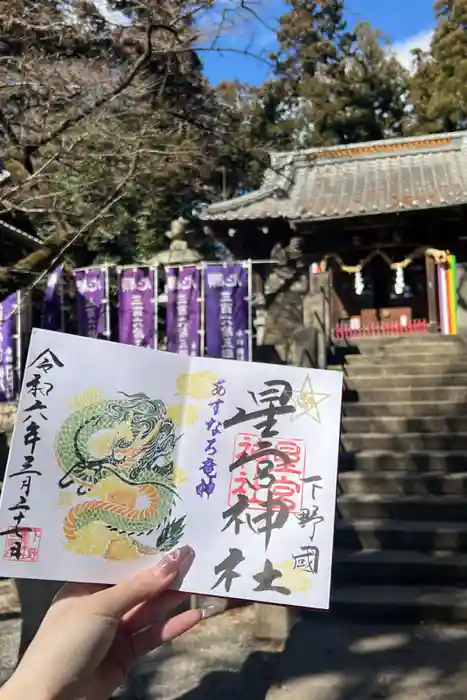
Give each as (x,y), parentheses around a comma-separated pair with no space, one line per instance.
(16,232)
(361,179)
(10,229)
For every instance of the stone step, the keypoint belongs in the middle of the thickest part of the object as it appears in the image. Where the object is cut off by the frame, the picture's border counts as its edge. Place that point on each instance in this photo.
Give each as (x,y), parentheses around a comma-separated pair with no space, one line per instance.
(388,395)
(371,351)
(404,381)
(396,424)
(399,567)
(398,483)
(393,407)
(362,506)
(404,442)
(366,368)
(419,535)
(407,603)
(378,461)
(406,349)
(409,359)
(406,339)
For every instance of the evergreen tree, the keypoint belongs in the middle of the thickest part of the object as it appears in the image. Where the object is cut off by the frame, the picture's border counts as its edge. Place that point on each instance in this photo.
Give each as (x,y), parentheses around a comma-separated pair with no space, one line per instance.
(344,85)
(439,86)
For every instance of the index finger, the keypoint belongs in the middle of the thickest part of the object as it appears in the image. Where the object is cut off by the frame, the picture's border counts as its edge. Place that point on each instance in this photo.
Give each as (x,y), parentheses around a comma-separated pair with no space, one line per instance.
(124,596)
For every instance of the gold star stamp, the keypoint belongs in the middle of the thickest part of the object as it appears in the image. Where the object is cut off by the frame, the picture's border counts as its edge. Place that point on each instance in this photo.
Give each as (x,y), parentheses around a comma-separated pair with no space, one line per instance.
(306,401)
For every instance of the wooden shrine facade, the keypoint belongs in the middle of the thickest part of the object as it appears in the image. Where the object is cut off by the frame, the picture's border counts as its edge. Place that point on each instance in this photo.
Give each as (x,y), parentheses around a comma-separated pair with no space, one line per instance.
(378,217)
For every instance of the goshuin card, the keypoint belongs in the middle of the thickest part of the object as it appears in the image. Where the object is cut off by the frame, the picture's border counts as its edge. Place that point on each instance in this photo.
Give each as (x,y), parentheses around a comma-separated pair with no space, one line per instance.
(121,454)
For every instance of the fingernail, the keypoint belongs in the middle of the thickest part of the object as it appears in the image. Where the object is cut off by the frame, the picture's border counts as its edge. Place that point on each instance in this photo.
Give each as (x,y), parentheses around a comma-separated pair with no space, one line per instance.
(212,609)
(170,564)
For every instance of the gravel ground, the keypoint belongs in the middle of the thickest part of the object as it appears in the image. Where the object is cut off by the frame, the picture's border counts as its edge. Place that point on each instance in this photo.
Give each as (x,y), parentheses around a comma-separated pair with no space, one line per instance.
(10,626)
(206,663)
(325,659)
(208,658)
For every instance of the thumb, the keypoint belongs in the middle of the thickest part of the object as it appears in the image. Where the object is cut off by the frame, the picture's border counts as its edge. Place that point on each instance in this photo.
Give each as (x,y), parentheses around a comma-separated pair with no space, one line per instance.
(124,596)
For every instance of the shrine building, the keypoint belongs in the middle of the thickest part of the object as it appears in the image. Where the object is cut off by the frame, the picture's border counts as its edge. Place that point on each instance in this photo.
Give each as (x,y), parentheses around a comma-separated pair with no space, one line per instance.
(381,218)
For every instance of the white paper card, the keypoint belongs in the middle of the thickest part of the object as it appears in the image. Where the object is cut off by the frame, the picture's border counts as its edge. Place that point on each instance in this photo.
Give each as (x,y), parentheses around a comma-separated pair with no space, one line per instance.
(120,454)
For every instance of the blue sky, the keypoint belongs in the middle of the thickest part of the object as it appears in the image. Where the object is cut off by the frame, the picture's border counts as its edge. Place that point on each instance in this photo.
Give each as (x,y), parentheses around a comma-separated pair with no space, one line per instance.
(408,24)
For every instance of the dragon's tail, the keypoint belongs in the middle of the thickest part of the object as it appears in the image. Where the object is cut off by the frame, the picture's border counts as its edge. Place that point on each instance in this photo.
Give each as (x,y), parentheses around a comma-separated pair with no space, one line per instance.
(116,516)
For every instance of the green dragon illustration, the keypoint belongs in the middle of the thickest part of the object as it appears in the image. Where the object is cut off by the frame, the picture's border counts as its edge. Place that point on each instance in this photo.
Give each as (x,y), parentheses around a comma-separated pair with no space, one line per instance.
(132,439)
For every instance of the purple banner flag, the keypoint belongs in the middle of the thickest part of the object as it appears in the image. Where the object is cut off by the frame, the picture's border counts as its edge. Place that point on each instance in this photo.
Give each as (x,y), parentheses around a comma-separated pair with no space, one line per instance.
(183,310)
(8,320)
(52,317)
(92,301)
(227,312)
(136,310)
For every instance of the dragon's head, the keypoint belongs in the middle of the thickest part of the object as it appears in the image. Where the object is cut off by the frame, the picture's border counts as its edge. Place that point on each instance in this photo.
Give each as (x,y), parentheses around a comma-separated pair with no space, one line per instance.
(141,443)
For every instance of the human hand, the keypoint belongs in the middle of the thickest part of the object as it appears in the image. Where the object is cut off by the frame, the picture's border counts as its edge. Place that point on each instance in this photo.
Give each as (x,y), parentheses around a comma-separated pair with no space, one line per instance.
(92,635)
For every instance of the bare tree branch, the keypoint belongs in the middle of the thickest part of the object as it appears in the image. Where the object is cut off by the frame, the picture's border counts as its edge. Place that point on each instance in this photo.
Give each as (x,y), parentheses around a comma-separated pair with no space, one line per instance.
(86,105)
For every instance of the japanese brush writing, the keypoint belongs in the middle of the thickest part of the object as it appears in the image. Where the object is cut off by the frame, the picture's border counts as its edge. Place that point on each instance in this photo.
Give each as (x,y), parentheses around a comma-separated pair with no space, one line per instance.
(311,517)
(308,557)
(137,306)
(214,428)
(183,310)
(266,477)
(264,578)
(37,386)
(227,311)
(92,301)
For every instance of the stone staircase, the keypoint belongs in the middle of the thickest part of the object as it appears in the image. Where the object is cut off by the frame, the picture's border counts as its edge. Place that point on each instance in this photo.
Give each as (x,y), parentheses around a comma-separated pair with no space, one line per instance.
(401,534)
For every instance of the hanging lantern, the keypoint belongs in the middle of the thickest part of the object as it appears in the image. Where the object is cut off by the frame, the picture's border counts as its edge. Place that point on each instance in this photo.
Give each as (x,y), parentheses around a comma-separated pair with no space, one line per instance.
(399,284)
(359,284)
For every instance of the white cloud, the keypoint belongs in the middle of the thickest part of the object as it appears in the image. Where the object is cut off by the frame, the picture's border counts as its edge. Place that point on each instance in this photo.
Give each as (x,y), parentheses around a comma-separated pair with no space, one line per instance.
(117,18)
(402,49)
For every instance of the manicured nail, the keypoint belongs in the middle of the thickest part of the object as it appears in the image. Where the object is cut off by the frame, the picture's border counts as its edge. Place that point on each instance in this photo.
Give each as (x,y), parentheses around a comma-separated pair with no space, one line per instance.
(170,564)
(212,609)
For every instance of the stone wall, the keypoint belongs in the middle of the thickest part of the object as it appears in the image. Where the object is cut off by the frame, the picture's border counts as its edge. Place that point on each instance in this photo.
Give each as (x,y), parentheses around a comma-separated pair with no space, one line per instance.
(297,318)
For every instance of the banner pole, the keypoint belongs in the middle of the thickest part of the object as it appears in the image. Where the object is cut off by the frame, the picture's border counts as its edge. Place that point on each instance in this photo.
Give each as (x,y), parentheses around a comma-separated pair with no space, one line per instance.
(62,301)
(170,311)
(119,277)
(77,303)
(107,301)
(19,345)
(202,302)
(250,309)
(155,303)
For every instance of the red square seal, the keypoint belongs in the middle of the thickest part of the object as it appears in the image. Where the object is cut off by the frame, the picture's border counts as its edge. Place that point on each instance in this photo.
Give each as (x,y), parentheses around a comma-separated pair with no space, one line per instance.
(287,472)
(24,548)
